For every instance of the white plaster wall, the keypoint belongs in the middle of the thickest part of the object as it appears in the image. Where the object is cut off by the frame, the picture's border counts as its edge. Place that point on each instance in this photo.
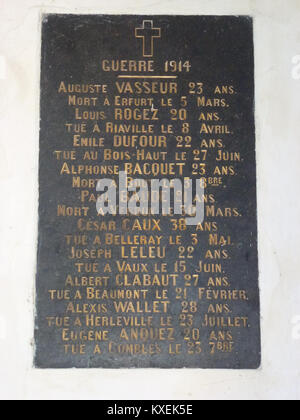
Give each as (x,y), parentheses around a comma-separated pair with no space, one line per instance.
(277,41)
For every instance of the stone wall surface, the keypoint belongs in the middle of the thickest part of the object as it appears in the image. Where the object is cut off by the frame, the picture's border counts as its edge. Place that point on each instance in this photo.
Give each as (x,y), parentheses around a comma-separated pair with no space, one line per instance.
(277,54)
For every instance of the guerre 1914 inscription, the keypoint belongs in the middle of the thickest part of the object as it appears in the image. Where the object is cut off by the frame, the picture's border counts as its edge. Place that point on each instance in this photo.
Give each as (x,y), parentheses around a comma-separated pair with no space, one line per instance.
(147,253)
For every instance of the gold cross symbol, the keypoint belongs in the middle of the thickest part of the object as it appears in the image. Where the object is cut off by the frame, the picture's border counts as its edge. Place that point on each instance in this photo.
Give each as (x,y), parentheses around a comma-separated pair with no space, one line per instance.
(147,32)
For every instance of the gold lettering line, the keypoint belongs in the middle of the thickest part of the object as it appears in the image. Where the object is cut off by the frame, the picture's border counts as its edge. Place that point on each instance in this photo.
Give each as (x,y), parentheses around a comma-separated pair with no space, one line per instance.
(147,77)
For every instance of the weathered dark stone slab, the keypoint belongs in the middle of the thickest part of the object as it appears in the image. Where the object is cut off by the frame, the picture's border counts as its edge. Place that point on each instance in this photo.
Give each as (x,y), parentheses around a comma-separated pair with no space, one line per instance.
(142,301)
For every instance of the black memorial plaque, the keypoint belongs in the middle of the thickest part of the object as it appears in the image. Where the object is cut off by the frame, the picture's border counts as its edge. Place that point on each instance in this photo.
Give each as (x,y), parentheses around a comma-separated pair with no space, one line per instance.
(160,97)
